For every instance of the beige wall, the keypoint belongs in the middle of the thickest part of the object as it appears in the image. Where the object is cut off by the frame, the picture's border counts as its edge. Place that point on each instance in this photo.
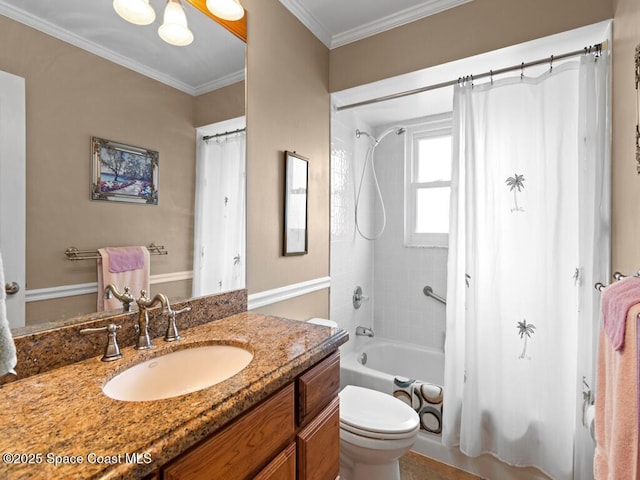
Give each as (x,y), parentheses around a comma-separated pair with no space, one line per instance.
(287,109)
(626,183)
(72,95)
(470,29)
(221,104)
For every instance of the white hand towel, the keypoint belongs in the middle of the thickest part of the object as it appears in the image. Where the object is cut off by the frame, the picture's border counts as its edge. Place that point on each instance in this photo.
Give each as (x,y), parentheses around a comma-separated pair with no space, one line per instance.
(8,359)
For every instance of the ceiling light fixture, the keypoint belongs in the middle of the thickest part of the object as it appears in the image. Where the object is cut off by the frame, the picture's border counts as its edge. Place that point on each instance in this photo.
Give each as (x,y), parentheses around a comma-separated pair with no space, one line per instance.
(174,29)
(226,9)
(138,12)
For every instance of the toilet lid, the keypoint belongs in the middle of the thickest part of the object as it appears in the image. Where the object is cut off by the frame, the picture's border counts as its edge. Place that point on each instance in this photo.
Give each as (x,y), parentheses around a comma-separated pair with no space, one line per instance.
(366,410)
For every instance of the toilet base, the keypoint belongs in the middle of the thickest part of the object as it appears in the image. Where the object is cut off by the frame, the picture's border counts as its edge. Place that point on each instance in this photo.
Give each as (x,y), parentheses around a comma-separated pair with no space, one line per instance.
(364,471)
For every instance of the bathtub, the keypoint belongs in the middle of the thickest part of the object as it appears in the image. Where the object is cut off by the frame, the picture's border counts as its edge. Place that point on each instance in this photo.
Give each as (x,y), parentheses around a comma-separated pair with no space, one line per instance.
(376,361)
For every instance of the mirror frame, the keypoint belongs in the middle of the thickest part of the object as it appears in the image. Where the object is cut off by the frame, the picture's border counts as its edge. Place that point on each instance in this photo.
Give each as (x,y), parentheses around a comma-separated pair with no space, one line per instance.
(237,27)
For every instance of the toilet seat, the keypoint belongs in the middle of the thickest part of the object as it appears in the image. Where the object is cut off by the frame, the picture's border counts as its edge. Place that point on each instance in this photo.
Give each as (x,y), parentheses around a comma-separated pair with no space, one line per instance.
(374,414)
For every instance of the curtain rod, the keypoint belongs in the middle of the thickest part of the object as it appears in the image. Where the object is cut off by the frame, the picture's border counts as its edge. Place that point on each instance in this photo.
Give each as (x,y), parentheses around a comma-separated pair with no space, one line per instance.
(223,134)
(595,49)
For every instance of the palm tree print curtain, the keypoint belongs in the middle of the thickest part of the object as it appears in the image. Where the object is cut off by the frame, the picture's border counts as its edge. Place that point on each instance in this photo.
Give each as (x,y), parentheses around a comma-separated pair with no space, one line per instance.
(527,203)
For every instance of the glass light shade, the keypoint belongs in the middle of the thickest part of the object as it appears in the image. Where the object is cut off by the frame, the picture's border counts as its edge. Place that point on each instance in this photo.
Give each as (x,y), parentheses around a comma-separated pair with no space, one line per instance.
(138,12)
(226,9)
(174,29)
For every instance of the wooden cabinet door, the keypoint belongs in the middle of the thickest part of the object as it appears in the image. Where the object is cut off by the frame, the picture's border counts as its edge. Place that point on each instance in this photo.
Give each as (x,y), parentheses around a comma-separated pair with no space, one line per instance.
(319,445)
(317,387)
(283,467)
(243,448)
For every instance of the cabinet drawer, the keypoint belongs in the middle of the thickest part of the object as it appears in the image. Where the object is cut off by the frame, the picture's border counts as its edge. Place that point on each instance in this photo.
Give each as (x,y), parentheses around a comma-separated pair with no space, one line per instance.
(283,467)
(244,447)
(319,445)
(317,387)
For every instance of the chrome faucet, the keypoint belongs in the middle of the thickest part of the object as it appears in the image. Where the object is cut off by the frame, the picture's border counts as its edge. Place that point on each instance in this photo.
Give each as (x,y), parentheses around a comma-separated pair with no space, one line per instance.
(126,298)
(112,350)
(144,302)
(364,332)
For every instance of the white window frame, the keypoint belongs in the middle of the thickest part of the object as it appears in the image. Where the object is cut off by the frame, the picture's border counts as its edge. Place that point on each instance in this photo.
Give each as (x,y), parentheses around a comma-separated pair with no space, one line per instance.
(434,126)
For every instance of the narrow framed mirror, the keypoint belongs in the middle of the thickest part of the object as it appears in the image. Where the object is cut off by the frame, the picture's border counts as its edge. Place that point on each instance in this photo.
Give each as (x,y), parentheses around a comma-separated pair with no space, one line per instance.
(295,204)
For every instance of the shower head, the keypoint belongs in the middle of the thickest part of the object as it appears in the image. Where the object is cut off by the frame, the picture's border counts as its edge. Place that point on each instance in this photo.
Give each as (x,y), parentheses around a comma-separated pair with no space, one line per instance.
(397,129)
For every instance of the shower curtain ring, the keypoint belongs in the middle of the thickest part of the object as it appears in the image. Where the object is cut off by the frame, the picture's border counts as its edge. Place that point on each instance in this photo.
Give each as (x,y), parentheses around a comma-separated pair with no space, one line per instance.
(551,64)
(491,76)
(521,70)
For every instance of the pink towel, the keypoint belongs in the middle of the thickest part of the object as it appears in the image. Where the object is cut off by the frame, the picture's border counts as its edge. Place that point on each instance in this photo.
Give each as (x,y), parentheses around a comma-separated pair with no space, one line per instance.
(616,403)
(136,279)
(123,259)
(617,298)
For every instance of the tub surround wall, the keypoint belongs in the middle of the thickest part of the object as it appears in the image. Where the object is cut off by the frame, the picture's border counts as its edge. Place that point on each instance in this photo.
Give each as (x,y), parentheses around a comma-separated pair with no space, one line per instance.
(351,255)
(47,350)
(402,310)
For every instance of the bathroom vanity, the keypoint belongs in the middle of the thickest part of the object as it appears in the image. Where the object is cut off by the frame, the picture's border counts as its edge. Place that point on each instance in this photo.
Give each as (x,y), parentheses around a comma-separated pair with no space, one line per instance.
(276,419)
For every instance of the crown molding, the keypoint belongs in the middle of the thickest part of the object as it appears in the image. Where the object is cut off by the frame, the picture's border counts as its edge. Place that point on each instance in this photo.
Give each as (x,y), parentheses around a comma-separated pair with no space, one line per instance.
(309,21)
(61,34)
(230,79)
(430,7)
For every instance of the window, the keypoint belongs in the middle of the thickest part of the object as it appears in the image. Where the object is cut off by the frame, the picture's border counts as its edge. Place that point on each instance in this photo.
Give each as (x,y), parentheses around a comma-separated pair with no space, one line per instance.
(428,182)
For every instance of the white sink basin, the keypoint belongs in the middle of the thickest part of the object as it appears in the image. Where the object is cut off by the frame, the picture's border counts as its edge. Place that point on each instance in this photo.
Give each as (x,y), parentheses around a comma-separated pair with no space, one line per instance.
(177,373)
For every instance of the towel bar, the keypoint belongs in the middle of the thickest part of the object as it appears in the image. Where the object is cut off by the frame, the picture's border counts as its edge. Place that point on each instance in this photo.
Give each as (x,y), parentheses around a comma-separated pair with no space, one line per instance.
(616,276)
(73,253)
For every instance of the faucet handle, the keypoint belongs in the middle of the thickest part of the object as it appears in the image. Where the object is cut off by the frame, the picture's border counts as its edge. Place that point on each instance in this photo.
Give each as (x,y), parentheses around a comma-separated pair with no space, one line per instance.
(112,350)
(172,330)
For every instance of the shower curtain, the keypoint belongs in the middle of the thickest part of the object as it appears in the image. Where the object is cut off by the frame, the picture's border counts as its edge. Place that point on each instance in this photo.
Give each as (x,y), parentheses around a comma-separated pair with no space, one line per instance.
(529,237)
(219,231)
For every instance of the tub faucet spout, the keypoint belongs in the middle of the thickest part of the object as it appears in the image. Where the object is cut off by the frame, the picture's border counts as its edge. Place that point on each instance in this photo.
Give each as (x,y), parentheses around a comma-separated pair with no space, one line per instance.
(364,332)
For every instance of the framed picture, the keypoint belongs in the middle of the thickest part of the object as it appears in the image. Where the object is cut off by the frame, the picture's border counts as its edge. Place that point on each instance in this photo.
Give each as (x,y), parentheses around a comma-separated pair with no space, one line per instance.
(123,173)
(295,204)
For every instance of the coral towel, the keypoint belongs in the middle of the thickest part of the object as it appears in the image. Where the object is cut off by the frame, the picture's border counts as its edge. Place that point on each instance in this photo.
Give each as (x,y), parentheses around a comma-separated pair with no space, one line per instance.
(617,298)
(124,267)
(616,419)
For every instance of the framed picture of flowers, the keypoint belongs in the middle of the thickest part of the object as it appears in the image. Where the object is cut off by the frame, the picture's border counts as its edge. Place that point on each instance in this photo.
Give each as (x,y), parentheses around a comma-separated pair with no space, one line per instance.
(123,173)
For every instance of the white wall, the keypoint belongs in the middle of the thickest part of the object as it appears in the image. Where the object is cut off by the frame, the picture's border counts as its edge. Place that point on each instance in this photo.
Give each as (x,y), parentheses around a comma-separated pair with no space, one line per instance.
(402,311)
(351,255)
(392,275)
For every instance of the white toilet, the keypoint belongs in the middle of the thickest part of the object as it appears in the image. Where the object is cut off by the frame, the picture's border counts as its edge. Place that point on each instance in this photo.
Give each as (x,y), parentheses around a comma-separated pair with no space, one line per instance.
(376,429)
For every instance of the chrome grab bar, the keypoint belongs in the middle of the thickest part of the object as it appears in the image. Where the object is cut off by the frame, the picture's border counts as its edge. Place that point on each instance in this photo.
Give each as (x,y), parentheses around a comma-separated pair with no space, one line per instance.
(428,291)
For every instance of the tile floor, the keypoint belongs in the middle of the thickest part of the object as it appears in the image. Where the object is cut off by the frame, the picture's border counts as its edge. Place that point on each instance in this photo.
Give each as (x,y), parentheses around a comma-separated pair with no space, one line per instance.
(418,467)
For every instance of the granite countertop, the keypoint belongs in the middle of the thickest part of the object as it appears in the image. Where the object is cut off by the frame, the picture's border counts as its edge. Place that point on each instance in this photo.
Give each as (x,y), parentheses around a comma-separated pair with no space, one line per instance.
(62,416)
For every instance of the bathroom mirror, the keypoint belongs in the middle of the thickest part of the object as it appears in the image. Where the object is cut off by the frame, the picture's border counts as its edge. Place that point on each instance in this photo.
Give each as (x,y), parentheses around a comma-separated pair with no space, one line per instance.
(138,91)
